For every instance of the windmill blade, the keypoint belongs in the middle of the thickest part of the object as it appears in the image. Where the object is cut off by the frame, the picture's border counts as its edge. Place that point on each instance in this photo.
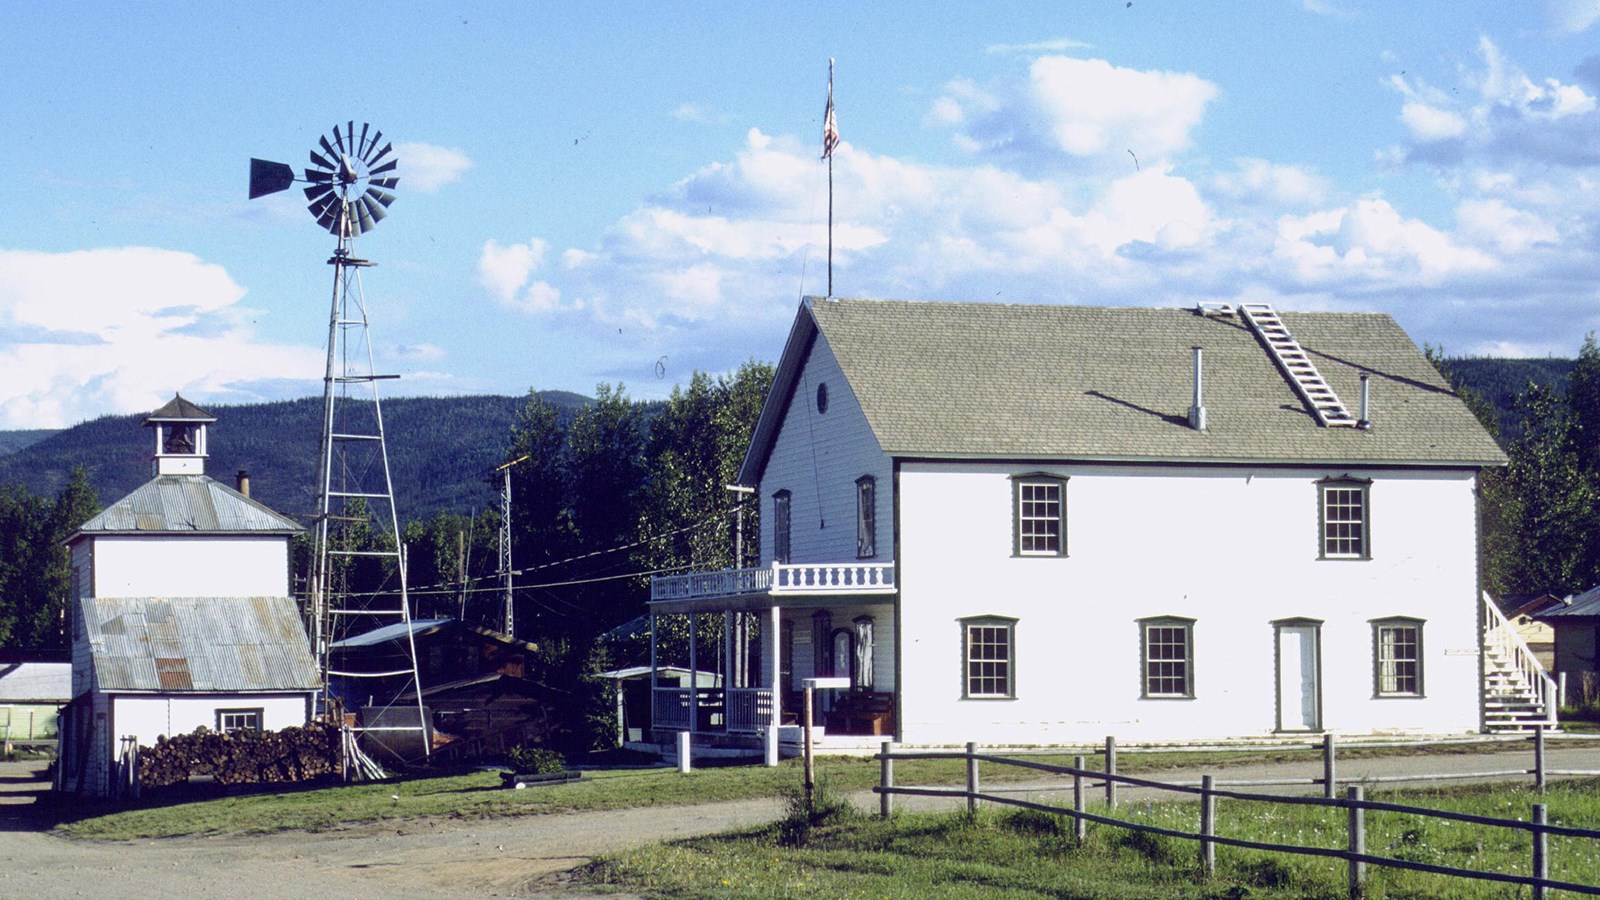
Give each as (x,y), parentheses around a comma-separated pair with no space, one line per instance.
(383,197)
(339,141)
(318,177)
(329,217)
(322,162)
(363,216)
(389,182)
(371,209)
(269,177)
(327,148)
(361,146)
(321,205)
(381,154)
(377,138)
(318,191)
(386,167)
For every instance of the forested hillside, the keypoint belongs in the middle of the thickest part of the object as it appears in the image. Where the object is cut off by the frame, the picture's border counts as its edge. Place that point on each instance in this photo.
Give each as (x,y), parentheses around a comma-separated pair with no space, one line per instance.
(440,451)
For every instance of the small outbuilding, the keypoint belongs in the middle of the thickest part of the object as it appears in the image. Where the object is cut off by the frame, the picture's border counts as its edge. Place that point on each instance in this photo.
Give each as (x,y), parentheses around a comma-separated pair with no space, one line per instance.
(1575,622)
(34,686)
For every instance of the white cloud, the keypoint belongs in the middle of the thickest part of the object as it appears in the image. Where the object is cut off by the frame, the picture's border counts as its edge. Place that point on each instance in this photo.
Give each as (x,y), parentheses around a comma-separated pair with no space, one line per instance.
(1257,181)
(1054,45)
(1428,123)
(507,272)
(1083,110)
(428,168)
(1572,16)
(1370,241)
(121,329)
(698,113)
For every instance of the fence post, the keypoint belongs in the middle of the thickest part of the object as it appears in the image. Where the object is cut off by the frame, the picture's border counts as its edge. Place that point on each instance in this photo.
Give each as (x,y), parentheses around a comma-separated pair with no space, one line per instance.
(1358,841)
(1541,856)
(1111,771)
(972,777)
(1538,757)
(1329,776)
(1079,828)
(886,799)
(1208,826)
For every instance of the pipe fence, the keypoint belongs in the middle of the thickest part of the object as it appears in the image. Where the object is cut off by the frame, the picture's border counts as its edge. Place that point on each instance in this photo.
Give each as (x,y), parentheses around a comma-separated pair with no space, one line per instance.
(1209,789)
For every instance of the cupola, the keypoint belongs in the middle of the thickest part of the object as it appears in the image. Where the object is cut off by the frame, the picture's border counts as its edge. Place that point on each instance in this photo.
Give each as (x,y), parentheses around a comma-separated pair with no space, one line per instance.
(180,429)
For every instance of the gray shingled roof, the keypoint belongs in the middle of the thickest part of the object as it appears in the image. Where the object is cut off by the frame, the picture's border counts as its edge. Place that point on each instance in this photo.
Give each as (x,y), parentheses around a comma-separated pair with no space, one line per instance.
(187,504)
(180,410)
(969,380)
(184,644)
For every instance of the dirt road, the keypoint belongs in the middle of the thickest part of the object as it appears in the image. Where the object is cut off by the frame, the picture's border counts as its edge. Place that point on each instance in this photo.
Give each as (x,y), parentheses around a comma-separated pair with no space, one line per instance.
(502,857)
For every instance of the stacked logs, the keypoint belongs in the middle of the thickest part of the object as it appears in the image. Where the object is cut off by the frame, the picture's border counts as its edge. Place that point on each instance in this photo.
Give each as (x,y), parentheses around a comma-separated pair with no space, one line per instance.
(242,757)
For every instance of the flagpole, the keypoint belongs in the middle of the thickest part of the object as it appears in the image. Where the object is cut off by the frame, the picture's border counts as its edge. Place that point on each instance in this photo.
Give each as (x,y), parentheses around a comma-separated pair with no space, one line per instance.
(830,179)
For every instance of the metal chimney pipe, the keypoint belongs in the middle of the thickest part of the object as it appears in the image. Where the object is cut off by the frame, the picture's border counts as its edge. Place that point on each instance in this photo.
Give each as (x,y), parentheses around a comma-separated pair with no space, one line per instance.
(1197,412)
(1366,402)
(241,482)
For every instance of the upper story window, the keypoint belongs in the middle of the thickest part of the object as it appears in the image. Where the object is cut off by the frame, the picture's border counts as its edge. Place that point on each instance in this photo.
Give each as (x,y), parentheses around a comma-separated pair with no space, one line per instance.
(780,527)
(988,658)
(1397,657)
(1040,511)
(822,398)
(1168,657)
(866,517)
(1346,519)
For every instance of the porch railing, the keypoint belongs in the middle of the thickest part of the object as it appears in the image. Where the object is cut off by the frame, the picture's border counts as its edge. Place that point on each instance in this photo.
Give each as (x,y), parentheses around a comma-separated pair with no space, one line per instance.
(671,709)
(778,579)
(1503,642)
(749,709)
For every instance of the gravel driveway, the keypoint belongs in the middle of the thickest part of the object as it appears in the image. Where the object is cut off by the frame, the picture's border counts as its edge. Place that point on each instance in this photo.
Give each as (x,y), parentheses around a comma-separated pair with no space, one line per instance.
(498,857)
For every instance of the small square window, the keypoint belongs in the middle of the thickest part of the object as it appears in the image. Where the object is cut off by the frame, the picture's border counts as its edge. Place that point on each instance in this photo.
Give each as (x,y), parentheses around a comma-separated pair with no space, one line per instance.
(230,720)
(1397,658)
(988,656)
(1345,515)
(1040,516)
(1168,651)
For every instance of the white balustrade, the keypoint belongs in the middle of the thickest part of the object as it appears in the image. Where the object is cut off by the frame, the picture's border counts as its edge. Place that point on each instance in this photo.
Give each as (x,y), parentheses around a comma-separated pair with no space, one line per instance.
(672,709)
(749,709)
(779,578)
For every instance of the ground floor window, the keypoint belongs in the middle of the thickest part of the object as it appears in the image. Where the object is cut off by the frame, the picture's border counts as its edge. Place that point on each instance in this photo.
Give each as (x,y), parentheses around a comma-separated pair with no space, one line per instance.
(988,658)
(1398,657)
(229,720)
(1168,653)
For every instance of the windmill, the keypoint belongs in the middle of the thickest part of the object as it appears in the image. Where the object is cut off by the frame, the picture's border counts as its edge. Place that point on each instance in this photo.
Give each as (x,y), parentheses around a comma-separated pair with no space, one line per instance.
(349,185)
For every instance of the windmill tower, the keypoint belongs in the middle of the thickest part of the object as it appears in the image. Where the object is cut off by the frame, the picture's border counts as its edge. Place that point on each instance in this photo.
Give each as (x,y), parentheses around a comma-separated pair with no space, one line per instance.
(348,188)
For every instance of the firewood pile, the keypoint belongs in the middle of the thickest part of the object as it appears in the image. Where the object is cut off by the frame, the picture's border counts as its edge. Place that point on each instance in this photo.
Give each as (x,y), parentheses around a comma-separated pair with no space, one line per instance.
(242,757)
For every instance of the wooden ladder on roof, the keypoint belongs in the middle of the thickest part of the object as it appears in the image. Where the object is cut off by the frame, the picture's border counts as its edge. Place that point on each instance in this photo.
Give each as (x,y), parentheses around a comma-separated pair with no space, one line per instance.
(1296,365)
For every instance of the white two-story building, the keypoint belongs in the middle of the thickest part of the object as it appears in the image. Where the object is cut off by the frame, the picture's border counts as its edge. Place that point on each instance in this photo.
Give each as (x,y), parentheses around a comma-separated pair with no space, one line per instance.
(1047,524)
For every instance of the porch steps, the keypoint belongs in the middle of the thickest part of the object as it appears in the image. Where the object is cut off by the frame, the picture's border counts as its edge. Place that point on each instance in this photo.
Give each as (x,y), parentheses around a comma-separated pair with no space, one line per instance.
(1511,704)
(1296,365)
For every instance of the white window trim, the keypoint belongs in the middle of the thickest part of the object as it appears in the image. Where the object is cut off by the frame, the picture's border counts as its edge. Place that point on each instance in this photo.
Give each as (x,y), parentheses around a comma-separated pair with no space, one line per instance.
(1187,626)
(1379,626)
(1009,625)
(1324,540)
(1018,485)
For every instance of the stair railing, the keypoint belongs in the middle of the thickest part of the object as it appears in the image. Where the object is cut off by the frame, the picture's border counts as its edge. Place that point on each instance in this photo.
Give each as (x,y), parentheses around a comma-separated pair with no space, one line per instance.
(1501,638)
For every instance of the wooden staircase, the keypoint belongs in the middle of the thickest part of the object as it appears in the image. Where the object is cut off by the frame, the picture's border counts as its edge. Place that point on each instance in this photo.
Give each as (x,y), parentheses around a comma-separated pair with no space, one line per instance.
(1518,694)
(1296,366)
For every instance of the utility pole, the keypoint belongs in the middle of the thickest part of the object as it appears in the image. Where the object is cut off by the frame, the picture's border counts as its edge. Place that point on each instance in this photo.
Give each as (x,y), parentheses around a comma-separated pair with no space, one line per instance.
(505,545)
(740,492)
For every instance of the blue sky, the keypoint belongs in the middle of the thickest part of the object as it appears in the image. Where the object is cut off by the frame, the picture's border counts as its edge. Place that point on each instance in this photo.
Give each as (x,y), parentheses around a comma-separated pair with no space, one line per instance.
(604,192)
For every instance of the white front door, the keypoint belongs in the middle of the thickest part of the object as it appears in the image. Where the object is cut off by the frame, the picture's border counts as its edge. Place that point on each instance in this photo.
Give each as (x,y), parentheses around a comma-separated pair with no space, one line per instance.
(1299,670)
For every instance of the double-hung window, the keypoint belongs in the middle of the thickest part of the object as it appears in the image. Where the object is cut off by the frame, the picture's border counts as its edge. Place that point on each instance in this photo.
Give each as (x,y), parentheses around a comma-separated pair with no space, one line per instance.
(1397,657)
(1167,650)
(1040,515)
(1346,519)
(780,527)
(988,658)
(866,517)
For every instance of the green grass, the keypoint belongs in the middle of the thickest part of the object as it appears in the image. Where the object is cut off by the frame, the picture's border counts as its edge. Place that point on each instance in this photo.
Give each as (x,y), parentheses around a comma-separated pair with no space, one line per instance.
(1000,853)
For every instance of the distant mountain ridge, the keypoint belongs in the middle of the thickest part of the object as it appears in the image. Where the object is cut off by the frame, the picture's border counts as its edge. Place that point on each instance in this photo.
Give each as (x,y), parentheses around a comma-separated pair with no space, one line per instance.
(441,451)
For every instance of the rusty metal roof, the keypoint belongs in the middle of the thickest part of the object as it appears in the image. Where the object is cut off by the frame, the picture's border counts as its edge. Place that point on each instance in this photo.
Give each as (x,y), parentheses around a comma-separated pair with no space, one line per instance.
(198,644)
(188,504)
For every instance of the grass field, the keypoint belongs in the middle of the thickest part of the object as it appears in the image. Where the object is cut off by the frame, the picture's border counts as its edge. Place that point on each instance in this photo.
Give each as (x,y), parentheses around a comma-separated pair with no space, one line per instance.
(1016,854)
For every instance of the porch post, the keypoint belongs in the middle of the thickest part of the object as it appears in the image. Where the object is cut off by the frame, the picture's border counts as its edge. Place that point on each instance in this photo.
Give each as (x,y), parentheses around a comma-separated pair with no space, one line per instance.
(694,677)
(653,672)
(774,641)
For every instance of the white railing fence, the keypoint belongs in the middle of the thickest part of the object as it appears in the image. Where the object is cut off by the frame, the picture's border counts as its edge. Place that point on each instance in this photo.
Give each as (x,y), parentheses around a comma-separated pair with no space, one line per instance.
(778,578)
(749,709)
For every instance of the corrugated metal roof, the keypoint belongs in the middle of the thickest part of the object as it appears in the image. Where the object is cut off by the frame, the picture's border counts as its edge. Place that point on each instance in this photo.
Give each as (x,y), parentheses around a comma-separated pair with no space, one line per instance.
(390,632)
(198,644)
(1584,604)
(35,682)
(974,380)
(188,504)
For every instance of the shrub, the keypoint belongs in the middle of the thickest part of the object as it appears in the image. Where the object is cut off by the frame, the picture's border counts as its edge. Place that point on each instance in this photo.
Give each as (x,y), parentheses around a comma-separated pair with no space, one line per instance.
(535,760)
(801,814)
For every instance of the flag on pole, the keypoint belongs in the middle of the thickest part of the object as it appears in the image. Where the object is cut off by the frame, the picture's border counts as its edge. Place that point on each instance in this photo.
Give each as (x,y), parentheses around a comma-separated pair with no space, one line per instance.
(830,125)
